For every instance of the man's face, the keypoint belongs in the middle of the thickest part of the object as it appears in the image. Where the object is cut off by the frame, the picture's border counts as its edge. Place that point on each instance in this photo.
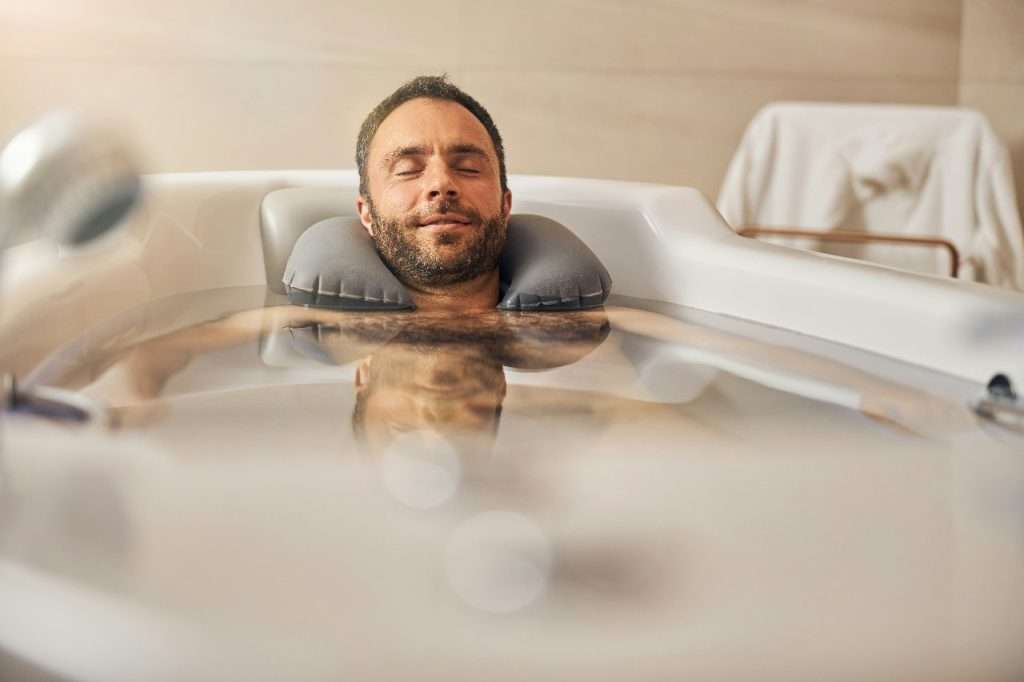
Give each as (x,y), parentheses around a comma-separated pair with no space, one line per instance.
(436,210)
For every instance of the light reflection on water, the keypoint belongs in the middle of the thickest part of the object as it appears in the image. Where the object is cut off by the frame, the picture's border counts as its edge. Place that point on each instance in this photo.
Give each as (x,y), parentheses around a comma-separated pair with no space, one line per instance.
(499,561)
(421,472)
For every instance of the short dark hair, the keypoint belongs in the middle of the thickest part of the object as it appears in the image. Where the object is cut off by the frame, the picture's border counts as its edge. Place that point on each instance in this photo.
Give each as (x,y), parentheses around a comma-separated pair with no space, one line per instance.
(431,87)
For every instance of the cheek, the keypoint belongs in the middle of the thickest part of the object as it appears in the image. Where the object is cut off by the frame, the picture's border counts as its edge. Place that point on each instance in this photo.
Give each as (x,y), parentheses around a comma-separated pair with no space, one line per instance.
(396,199)
(483,200)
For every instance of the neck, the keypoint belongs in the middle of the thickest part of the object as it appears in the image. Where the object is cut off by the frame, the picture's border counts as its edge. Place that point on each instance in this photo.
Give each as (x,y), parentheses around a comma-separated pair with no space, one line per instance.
(479,293)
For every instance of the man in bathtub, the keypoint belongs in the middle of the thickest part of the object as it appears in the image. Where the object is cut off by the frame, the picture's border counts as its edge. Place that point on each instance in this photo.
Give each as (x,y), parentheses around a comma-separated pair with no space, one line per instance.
(434,198)
(433,193)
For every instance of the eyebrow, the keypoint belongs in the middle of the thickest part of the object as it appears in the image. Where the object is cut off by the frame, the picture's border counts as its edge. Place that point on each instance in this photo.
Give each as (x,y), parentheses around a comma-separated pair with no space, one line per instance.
(462,149)
(402,152)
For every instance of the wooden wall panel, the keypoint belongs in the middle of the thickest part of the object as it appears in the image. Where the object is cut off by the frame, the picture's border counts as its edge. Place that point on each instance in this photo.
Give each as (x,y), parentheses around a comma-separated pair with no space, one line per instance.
(992,72)
(867,39)
(651,90)
(212,115)
(679,130)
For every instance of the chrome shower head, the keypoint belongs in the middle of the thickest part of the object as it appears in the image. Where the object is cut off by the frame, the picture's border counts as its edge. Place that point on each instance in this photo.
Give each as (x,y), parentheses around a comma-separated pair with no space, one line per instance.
(66,179)
(73,182)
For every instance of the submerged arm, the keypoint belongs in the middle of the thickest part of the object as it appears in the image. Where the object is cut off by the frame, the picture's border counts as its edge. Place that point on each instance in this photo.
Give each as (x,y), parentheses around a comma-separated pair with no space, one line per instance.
(139,372)
(874,396)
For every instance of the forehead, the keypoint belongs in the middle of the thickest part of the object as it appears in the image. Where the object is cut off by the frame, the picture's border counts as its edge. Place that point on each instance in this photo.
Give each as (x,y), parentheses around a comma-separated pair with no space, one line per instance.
(429,122)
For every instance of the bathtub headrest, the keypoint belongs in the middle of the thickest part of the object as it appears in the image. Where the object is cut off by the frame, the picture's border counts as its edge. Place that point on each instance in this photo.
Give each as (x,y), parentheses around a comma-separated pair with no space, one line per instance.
(286,213)
(317,252)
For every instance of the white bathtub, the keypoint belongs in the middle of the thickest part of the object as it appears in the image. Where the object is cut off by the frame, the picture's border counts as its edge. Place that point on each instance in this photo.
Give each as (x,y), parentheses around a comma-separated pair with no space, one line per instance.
(656,510)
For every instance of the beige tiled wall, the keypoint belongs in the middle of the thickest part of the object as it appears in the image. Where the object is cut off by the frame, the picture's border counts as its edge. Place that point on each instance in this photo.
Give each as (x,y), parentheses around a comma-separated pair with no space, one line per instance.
(992,71)
(653,90)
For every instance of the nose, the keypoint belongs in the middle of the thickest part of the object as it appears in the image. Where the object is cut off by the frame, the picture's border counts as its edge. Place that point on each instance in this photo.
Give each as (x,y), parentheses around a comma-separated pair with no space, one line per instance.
(440,182)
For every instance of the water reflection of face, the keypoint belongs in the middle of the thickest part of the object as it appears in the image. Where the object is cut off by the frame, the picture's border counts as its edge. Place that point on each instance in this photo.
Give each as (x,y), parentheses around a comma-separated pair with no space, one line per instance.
(438,378)
(453,391)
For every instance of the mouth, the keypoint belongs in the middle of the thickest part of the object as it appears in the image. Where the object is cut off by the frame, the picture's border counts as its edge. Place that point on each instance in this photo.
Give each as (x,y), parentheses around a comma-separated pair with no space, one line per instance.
(444,221)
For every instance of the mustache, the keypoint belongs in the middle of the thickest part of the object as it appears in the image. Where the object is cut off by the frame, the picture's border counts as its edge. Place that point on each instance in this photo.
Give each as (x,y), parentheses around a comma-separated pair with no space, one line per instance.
(444,206)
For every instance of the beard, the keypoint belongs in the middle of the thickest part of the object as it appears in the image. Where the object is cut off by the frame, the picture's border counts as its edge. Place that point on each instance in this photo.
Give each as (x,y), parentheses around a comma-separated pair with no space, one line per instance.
(442,259)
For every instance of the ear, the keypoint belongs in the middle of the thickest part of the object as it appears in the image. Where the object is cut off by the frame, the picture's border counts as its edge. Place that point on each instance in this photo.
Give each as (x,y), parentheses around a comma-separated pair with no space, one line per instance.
(363,208)
(506,204)
(362,381)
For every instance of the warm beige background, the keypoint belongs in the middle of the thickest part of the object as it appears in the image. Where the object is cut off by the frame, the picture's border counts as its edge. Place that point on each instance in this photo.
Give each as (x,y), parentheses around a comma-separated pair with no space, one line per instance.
(641,90)
(992,71)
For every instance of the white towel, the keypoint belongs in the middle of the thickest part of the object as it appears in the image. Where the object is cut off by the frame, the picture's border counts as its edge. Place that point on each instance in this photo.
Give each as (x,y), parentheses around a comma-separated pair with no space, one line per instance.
(916,171)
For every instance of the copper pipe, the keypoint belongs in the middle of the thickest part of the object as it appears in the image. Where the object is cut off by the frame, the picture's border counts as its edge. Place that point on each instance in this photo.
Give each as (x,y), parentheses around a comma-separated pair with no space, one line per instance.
(858,238)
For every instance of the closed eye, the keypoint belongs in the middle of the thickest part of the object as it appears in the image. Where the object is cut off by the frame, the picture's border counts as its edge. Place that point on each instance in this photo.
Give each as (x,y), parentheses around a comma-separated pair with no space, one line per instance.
(403,170)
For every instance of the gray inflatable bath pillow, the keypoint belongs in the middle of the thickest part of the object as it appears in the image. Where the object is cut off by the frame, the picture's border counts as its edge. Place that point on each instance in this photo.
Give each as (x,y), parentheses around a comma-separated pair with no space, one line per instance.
(334,264)
(544,267)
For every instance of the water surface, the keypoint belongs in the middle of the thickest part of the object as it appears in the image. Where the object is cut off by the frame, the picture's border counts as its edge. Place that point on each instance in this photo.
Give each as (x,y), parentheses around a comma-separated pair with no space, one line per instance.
(607,494)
